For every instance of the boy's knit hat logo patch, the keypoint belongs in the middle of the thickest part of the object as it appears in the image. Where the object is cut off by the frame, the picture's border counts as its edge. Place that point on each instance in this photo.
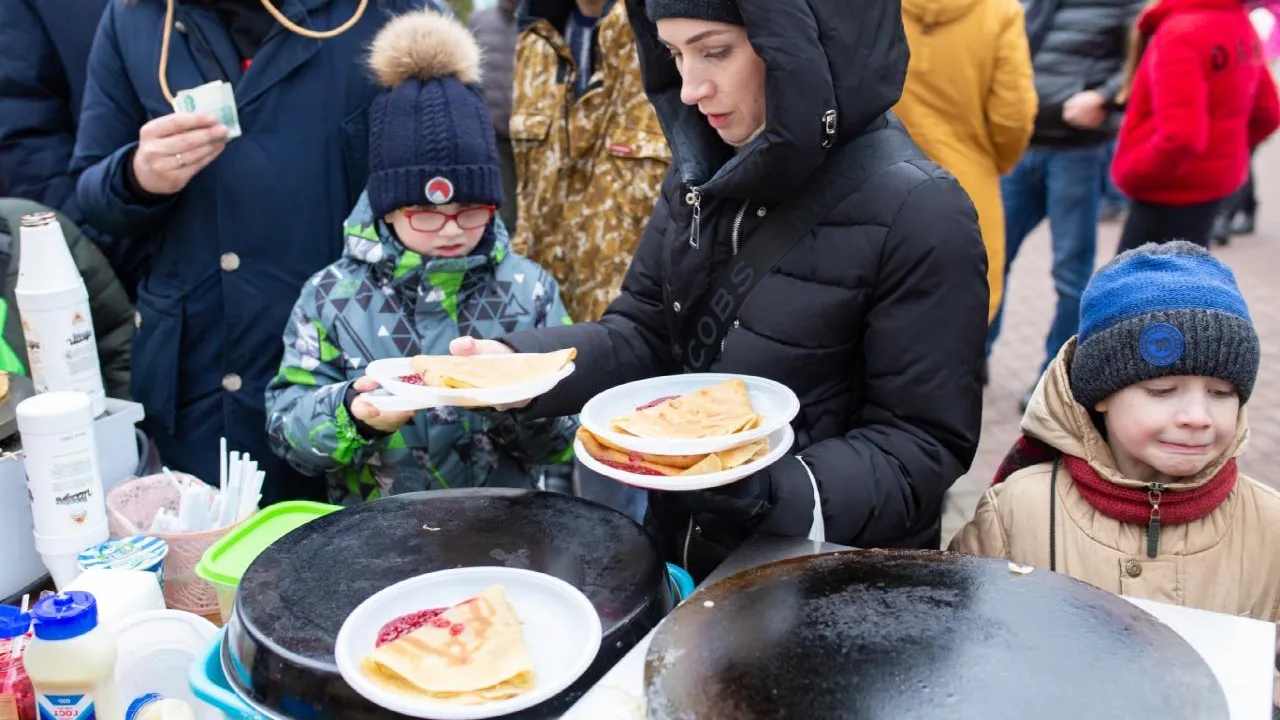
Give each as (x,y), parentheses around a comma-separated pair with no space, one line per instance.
(1161,344)
(439,191)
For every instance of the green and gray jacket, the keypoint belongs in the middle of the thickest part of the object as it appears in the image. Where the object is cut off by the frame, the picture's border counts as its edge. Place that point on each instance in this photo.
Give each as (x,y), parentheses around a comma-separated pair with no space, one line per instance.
(108,302)
(384,301)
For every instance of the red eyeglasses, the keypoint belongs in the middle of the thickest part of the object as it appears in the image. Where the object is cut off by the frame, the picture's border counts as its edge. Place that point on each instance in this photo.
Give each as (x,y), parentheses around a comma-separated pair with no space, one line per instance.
(469,218)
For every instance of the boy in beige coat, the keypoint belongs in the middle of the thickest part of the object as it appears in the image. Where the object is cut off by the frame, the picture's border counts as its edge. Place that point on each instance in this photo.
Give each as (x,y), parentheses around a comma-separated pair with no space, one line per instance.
(1125,476)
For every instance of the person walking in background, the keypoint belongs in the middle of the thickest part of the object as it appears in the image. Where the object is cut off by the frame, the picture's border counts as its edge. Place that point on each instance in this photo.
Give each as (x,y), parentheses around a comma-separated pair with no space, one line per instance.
(1201,98)
(42,78)
(1078,52)
(970,103)
(590,155)
(495,31)
(235,228)
(1239,213)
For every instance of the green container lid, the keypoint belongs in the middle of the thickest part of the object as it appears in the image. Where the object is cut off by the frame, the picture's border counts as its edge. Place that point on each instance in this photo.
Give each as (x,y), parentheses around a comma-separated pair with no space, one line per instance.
(225,561)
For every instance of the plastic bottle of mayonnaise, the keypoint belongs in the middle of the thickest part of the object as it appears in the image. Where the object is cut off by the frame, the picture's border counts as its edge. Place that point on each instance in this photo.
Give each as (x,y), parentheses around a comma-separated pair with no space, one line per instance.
(71,661)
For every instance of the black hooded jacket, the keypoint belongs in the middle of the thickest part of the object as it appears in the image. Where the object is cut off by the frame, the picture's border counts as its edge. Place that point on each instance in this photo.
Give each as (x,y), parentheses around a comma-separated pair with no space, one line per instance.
(876,319)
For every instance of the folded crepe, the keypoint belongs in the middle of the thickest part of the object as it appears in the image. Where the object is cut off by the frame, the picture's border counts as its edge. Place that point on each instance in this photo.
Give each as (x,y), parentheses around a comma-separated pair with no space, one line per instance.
(489,371)
(649,464)
(714,411)
(472,653)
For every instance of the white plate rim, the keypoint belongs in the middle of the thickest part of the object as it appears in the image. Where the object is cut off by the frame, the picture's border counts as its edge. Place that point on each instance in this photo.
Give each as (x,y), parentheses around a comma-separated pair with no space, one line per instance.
(678,483)
(474,397)
(693,446)
(431,711)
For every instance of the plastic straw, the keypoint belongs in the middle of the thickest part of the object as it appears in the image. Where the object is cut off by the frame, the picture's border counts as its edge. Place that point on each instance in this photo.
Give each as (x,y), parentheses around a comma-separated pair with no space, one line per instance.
(222,462)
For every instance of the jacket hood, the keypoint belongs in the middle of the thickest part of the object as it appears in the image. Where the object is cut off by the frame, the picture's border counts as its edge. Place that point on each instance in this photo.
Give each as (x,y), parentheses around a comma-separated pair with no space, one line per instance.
(1054,417)
(932,13)
(1155,14)
(820,56)
(368,240)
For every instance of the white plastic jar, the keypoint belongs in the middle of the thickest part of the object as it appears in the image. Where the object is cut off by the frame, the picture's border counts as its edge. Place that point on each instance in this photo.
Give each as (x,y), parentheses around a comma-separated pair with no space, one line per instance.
(71,660)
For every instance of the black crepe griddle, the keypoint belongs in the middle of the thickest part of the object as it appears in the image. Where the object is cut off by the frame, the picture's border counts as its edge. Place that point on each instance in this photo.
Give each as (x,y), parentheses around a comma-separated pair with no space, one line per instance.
(293,599)
(872,635)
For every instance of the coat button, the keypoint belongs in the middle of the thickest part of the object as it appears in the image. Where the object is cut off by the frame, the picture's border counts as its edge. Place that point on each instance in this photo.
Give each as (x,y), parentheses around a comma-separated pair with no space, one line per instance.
(230,262)
(231,382)
(137,320)
(1133,568)
(761,211)
(676,306)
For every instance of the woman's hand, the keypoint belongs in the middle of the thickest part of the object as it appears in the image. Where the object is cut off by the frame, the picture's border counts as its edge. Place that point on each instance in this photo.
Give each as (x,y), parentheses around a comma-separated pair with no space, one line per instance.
(365,412)
(465,346)
(173,148)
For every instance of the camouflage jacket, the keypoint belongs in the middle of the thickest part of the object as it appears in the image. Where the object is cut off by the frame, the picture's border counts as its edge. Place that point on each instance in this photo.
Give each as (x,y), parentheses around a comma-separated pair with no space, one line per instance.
(384,301)
(591,169)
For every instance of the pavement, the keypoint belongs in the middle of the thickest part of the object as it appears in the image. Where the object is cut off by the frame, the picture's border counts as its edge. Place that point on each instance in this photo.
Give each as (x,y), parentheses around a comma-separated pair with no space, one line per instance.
(1018,353)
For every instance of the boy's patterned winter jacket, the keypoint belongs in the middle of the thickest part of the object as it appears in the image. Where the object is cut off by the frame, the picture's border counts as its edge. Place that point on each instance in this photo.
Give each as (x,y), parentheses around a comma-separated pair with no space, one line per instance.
(384,301)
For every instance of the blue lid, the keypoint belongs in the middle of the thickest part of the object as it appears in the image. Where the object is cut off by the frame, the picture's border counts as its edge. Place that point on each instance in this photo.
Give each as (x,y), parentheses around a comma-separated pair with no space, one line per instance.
(65,616)
(139,703)
(13,622)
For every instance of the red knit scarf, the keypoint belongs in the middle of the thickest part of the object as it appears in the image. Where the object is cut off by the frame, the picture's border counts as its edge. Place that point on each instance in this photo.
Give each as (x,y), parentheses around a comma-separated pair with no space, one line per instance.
(1129,505)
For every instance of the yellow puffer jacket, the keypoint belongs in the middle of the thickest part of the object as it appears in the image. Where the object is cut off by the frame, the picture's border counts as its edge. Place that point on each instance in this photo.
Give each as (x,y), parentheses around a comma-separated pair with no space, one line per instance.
(969,102)
(589,169)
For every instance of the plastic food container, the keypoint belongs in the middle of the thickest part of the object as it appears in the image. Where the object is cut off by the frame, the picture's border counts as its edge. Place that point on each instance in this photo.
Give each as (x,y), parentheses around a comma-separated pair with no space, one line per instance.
(138,552)
(156,649)
(224,563)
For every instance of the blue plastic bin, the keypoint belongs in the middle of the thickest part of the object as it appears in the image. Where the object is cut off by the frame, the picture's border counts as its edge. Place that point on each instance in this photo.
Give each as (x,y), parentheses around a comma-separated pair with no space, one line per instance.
(209,683)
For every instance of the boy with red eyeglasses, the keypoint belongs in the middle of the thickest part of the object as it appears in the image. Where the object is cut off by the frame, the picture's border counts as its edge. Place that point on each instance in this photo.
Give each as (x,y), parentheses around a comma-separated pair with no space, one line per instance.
(426,261)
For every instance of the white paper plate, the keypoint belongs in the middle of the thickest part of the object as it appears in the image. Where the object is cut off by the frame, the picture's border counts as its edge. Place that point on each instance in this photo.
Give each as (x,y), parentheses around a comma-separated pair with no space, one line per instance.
(776,404)
(780,443)
(561,629)
(407,396)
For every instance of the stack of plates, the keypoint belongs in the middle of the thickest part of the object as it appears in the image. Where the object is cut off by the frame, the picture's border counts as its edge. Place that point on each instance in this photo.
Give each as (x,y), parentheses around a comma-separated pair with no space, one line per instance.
(776,404)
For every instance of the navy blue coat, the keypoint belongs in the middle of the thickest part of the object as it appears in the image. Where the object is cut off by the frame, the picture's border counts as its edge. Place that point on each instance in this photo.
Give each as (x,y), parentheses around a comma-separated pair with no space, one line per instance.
(42,74)
(231,252)
(42,71)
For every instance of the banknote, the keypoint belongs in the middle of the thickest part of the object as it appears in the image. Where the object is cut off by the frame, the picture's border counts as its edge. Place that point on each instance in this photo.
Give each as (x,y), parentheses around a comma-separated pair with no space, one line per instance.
(215,98)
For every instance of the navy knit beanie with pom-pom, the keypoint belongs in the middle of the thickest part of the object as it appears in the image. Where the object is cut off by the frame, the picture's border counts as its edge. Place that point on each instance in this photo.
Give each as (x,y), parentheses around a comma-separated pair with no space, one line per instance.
(431,140)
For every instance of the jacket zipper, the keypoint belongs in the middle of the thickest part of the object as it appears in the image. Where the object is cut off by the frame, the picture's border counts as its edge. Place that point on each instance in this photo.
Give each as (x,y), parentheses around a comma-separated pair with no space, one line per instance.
(694,198)
(1155,491)
(688,537)
(737,227)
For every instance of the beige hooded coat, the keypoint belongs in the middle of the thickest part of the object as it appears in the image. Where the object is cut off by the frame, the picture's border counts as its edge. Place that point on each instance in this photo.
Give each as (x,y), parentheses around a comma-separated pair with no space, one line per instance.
(1226,562)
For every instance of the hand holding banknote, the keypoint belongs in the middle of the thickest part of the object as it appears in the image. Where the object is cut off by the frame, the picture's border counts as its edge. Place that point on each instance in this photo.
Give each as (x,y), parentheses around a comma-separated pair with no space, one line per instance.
(173,148)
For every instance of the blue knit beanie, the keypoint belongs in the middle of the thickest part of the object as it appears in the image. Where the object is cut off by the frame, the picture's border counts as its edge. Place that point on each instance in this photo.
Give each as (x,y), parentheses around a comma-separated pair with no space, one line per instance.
(1160,310)
(431,139)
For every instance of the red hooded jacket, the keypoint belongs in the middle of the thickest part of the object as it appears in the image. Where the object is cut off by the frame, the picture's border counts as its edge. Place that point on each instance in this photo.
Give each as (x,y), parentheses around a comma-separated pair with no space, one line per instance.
(1202,98)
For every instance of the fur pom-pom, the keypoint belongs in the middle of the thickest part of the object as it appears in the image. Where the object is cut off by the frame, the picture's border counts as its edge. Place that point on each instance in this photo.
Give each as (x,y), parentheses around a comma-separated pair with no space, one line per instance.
(424,44)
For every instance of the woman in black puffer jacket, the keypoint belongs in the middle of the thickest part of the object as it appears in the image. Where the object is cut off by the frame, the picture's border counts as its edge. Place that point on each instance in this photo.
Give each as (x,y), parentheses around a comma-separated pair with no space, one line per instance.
(876,316)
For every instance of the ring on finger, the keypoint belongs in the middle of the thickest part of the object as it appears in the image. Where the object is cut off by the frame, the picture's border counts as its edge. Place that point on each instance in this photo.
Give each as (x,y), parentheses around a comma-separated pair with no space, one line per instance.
(181,163)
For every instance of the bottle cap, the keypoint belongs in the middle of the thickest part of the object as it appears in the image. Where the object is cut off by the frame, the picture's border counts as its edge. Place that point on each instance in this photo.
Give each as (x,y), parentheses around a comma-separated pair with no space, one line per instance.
(136,707)
(13,622)
(65,616)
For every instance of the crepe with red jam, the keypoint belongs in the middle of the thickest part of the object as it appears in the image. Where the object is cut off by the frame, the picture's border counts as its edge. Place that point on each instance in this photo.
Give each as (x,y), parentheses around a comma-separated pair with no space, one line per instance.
(488,371)
(638,463)
(715,411)
(469,654)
